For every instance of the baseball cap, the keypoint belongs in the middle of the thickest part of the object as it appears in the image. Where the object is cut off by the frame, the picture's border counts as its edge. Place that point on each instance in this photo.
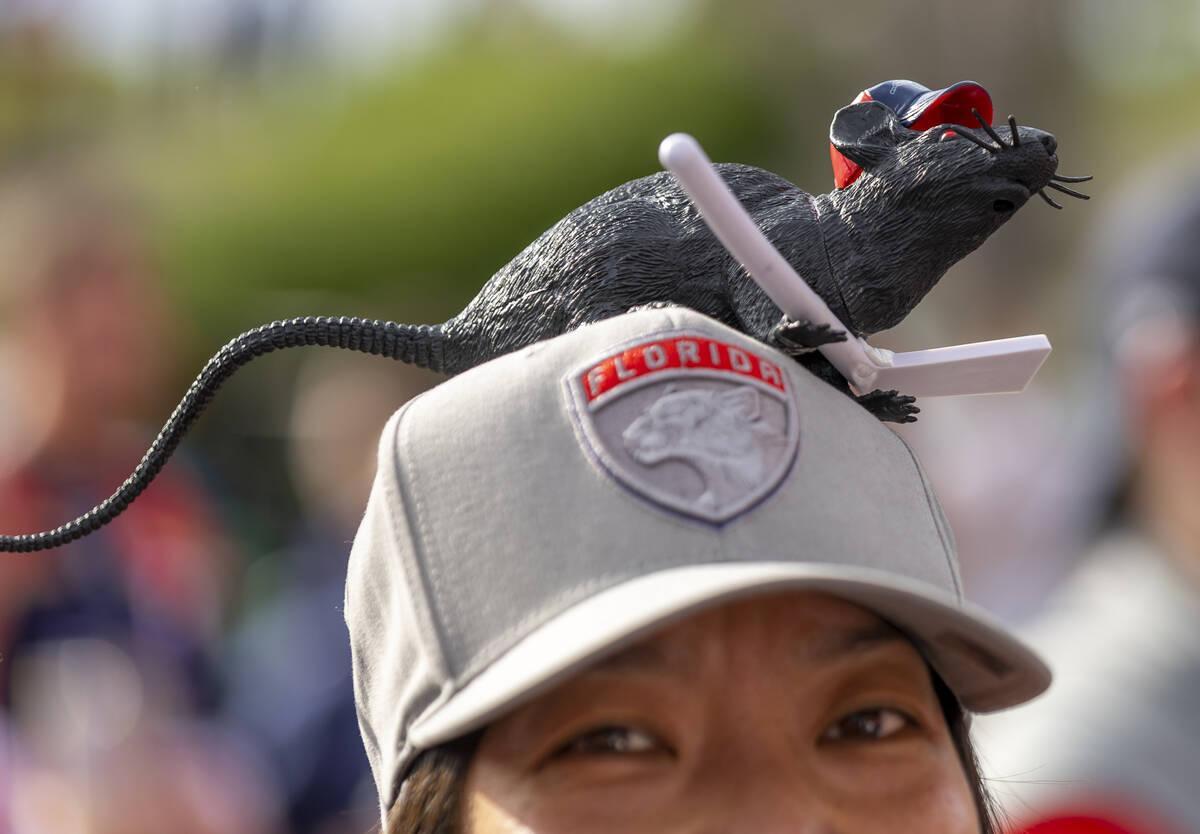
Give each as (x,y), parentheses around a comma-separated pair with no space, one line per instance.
(918,108)
(555,504)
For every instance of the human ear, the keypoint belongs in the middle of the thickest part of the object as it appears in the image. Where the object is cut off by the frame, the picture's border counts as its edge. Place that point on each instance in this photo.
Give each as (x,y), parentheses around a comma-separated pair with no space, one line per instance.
(866,133)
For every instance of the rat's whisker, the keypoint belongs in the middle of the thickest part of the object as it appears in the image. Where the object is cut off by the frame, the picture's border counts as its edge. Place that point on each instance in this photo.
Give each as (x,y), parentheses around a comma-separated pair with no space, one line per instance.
(1066,190)
(1047,198)
(1012,125)
(1061,178)
(988,128)
(966,134)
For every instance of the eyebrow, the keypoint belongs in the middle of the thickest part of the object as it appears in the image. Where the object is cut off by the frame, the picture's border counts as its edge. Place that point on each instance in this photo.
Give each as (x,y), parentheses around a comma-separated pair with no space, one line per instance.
(843,642)
(640,657)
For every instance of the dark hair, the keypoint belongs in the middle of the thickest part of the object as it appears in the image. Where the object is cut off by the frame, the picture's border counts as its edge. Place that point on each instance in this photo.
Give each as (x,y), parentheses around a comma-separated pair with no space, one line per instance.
(959,722)
(431,802)
(431,799)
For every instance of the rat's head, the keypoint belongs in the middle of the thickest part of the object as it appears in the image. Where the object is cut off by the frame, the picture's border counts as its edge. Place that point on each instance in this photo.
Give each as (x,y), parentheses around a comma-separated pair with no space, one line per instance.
(948,178)
(923,178)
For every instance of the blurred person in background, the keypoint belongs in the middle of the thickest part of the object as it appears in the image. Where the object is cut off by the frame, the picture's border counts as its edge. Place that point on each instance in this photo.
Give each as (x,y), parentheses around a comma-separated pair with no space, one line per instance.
(109,644)
(1114,746)
(85,349)
(289,665)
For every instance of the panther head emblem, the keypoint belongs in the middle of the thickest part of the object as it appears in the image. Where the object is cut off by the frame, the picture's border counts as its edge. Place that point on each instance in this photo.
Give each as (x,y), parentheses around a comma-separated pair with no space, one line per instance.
(720,434)
(695,424)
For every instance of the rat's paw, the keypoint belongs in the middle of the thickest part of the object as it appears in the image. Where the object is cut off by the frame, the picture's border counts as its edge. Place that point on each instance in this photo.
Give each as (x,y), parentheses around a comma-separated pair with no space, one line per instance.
(798,337)
(890,406)
(653,305)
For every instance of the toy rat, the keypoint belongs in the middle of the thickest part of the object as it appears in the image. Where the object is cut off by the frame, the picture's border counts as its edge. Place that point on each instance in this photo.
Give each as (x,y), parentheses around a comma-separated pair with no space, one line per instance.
(918,188)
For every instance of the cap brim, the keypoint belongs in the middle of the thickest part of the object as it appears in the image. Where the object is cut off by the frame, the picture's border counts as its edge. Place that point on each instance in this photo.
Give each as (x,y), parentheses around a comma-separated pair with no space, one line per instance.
(980,661)
(952,105)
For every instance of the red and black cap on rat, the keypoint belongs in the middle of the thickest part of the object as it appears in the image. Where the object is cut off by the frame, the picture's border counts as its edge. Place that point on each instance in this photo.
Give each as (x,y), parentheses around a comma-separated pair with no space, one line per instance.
(918,108)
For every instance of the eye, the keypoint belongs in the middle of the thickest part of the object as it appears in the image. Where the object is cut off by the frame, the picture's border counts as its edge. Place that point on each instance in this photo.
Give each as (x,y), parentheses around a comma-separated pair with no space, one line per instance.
(867,725)
(1003,206)
(613,740)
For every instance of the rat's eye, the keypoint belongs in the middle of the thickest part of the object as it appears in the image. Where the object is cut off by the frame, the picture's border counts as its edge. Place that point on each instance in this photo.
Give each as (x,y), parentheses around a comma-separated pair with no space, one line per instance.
(1003,206)
(612,740)
(867,725)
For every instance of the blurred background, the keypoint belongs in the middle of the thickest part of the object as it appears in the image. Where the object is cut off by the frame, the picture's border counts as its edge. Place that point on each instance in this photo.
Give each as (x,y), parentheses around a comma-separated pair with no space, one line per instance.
(173,172)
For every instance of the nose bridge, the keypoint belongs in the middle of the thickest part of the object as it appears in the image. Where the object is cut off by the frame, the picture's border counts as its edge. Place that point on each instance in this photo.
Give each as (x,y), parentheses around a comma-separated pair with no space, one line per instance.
(753,783)
(749,801)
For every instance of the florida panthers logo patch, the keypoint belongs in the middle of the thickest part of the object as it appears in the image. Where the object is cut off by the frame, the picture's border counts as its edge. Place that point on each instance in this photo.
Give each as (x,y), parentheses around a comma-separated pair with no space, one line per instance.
(697,425)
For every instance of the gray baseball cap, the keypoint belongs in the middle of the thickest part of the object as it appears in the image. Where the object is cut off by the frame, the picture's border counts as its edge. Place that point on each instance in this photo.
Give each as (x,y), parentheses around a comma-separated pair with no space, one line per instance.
(557,503)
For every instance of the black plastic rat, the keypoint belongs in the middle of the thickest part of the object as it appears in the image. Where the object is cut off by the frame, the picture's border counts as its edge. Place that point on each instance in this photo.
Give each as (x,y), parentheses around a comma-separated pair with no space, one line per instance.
(872,250)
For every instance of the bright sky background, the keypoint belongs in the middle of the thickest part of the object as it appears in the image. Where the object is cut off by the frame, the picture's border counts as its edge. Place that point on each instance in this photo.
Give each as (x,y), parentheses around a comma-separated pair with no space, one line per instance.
(135,36)
(1122,43)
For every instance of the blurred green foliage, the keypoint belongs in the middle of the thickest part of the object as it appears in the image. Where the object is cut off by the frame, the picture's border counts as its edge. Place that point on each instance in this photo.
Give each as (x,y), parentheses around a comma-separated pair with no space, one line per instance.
(46,96)
(411,190)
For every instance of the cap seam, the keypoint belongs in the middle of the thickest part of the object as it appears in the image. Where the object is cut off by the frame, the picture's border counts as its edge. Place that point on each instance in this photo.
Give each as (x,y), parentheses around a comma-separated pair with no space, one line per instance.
(421,590)
(392,755)
(931,505)
(425,577)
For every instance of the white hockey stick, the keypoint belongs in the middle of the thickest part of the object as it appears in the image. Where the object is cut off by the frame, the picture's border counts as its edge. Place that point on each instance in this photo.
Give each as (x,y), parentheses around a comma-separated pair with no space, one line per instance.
(999,366)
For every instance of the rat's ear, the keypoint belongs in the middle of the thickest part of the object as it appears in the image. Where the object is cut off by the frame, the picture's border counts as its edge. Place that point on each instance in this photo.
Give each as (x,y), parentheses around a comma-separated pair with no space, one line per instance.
(866,133)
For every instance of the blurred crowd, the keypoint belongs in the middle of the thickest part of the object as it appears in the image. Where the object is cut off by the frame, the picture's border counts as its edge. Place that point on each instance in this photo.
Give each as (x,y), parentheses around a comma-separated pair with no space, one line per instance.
(128,700)
(182,670)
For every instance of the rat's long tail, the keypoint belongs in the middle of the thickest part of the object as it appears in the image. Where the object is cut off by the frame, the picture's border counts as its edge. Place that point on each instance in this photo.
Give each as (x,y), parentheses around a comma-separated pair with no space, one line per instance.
(420,345)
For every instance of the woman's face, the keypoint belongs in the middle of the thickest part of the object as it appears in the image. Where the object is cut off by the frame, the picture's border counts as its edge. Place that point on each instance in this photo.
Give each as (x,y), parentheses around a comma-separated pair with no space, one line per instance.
(791,713)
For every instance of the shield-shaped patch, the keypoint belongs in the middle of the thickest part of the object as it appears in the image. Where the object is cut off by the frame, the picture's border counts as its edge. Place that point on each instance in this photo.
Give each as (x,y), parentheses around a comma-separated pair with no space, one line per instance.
(694,424)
